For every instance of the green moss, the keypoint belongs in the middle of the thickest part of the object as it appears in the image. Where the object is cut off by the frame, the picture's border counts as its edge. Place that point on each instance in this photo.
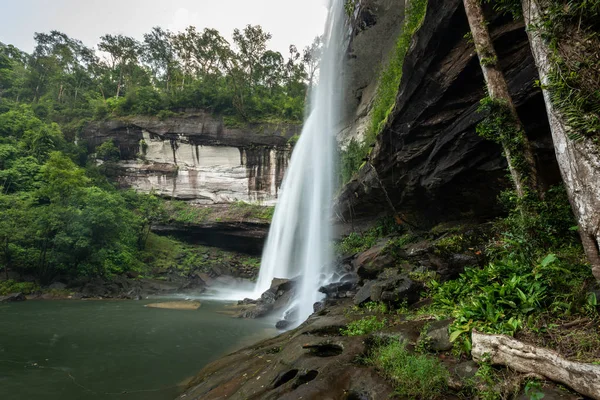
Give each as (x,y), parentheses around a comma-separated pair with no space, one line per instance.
(414,375)
(451,244)
(357,242)
(182,212)
(243,210)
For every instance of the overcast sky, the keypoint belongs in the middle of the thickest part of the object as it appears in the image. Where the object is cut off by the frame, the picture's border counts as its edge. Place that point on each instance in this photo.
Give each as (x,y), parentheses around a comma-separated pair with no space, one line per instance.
(289,21)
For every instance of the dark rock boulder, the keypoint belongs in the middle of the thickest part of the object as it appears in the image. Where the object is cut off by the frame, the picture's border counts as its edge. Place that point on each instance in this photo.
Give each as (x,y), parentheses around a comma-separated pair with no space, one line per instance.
(277,297)
(396,290)
(283,324)
(437,336)
(370,263)
(13,297)
(333,289)
(257,311)
(364,293)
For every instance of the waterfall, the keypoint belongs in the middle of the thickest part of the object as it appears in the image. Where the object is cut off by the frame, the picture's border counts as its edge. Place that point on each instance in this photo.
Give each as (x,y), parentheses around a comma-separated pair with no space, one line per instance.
(299,241)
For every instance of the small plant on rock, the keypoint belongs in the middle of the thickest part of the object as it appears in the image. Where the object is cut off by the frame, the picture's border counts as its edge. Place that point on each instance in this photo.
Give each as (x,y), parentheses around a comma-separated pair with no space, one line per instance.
(363,326)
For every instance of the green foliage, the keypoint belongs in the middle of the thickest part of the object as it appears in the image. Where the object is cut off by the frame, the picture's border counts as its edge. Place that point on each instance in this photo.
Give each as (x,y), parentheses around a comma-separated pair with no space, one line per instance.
(533,390)
(500,126)
(504,296)
(357,242)
(59,218)
(363,326)
(168,255)
(414,375)
(534,228)
(107,151)
(293,140)
(349,7)
(374,306)
(486,380)
(351,158)
(10,286)
(387,90)
(512,7)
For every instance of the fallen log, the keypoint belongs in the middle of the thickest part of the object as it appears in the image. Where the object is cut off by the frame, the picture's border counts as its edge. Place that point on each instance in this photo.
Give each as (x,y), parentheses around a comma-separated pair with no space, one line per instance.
(525,358)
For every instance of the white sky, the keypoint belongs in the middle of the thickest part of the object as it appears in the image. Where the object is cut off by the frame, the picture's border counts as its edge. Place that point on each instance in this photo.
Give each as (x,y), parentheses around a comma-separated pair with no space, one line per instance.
(289,21)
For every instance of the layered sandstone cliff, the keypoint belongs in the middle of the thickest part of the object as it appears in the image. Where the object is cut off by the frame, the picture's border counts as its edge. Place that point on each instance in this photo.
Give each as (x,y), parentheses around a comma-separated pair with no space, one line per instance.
(197,157)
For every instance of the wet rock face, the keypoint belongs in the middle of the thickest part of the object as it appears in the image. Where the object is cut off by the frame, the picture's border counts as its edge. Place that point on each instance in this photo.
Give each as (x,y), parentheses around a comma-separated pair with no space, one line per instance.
(375,27)
(429,158)
(196,157)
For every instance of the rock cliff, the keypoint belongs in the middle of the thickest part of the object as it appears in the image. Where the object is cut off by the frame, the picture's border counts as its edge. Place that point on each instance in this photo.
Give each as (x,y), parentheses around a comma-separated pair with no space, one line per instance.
(428,163)
(197,157)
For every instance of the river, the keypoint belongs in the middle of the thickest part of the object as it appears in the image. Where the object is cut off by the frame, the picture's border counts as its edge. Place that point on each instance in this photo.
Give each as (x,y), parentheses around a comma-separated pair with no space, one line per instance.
(72,350)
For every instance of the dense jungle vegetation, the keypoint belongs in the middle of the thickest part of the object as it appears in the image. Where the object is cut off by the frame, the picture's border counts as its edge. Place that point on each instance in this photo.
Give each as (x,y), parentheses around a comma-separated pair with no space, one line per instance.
(59,214)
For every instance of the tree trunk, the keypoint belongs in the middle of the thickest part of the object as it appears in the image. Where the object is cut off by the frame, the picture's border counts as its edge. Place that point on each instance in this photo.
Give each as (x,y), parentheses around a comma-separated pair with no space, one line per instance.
(525,358)
(498,90)
(579,161)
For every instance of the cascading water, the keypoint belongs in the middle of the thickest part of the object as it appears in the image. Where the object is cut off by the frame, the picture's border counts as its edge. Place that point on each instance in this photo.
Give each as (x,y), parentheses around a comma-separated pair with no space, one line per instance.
(299,241)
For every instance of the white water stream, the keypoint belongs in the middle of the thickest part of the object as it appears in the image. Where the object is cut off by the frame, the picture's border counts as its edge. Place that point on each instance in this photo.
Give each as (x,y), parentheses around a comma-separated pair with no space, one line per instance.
(299,241)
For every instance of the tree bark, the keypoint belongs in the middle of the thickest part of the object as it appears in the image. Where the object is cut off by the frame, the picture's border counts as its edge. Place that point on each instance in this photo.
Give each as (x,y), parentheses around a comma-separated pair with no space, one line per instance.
(525,358)
(579,161)
(498,90)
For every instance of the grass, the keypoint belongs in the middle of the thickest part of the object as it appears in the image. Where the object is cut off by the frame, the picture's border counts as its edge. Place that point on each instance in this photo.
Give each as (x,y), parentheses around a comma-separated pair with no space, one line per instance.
(364,326)
(414,375)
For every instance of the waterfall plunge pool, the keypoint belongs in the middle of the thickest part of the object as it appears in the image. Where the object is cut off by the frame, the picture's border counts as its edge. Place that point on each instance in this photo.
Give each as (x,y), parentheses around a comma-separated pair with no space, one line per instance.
(121,350)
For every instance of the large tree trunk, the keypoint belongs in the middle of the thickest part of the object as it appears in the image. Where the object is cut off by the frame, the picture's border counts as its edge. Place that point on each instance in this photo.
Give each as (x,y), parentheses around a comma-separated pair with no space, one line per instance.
(498,90)
(522,357)
(579,161)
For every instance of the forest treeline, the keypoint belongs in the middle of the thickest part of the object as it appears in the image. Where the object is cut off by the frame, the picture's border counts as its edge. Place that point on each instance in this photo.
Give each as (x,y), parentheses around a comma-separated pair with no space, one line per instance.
(59,215)
(165,72)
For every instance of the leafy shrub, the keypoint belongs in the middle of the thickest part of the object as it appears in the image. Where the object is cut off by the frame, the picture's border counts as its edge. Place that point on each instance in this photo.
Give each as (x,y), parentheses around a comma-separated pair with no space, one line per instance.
(293,140)
(414,375)
(11,286)
(101,109)
(146,100)
(503,296)
(164,114)
(107,151)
